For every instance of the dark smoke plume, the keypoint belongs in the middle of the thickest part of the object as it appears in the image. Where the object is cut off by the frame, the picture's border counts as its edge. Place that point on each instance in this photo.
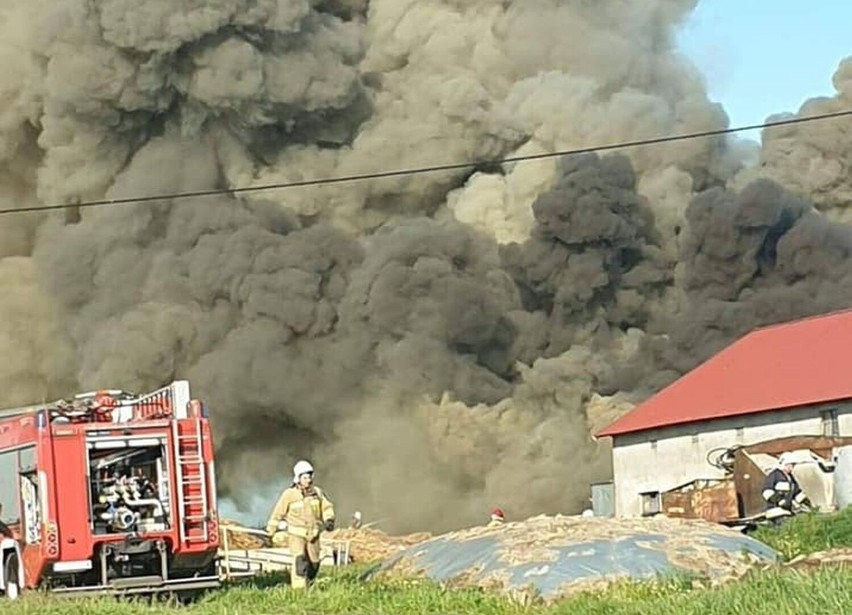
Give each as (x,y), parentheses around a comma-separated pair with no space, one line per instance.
(437,344)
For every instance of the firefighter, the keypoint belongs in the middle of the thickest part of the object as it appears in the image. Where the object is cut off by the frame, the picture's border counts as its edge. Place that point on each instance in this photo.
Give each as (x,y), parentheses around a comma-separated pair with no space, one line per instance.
(497,518)
(303,511)
(781,491)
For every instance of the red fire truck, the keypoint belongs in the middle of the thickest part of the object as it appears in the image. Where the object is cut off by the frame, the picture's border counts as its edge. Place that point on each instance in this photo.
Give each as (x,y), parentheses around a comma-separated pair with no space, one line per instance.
(110,493)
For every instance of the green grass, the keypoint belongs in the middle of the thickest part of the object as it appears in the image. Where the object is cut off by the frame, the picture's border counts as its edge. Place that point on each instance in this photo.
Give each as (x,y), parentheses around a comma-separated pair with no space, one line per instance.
(777,592)
(808,534)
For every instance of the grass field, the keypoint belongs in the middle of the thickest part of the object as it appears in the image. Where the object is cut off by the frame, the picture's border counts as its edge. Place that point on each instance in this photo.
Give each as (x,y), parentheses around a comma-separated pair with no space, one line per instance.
(826,592)
(809,534)
(780,592)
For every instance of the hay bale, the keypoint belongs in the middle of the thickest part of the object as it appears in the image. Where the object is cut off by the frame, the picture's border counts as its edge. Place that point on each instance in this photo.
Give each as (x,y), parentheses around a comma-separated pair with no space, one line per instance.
(558,556)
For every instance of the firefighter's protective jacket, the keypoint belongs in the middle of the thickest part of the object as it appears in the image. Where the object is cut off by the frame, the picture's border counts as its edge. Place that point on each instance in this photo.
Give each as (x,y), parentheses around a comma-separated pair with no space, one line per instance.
(305,512)
(782,491)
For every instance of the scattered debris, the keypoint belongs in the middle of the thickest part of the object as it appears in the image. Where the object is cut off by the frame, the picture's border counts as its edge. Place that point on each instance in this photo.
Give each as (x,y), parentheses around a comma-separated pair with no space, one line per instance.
(832,557)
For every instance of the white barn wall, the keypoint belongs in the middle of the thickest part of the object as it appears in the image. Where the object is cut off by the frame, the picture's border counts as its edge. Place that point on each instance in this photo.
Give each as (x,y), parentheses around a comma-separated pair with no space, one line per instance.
(844,420)
(661,459)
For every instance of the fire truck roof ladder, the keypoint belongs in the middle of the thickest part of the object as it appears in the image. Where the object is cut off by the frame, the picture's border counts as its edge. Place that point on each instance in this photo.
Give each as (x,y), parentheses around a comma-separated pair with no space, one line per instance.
(191,481)
(169,401)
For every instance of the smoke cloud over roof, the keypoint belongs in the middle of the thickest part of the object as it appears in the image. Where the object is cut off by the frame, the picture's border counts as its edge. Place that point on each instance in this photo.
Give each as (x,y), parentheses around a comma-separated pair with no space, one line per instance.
(436,344)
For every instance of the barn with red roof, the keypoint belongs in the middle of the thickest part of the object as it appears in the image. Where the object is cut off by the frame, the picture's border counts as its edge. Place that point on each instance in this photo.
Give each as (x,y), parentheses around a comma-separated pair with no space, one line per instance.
(792,379)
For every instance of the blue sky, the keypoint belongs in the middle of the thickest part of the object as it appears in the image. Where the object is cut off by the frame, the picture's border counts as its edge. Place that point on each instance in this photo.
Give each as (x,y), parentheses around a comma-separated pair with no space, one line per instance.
(767,56)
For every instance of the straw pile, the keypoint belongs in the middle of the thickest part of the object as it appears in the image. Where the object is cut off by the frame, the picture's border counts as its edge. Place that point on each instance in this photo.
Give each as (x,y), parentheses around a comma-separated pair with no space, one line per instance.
(365,544)
(240,538)
(371,545)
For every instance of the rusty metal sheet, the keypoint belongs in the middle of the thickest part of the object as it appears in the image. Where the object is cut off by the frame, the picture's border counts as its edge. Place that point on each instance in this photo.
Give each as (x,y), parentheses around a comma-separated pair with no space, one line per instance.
(821,445)
(748,481)
(712,501)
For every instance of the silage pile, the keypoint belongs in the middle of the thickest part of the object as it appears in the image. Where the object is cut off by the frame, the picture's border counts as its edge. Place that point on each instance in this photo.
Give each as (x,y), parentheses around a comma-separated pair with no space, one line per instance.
(552,557)
(371,545)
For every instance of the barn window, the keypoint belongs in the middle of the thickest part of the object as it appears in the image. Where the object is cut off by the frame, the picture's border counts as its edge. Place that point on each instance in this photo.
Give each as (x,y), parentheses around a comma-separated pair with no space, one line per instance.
(651,503)
(695,438)
(829,422)
(740,433)
(653,445)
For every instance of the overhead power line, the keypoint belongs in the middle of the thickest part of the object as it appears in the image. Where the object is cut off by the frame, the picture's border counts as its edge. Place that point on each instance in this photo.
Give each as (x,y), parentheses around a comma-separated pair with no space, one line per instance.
(429,169)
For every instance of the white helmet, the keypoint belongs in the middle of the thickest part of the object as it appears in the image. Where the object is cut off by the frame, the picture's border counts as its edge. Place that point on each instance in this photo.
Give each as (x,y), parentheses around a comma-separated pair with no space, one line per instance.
(302,467)
(785,458)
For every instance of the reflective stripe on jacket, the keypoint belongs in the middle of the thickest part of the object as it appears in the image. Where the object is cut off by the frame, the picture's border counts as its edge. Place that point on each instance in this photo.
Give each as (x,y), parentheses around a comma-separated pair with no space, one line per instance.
(781,490)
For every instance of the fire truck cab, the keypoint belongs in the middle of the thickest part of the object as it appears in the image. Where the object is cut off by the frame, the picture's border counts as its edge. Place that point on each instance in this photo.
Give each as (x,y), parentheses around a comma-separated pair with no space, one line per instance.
(108,493)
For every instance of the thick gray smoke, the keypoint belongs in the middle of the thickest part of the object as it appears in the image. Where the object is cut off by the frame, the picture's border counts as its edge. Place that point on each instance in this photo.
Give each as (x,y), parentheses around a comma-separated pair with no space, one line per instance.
(593,262)
(758,257)
(813,160)
(437,344)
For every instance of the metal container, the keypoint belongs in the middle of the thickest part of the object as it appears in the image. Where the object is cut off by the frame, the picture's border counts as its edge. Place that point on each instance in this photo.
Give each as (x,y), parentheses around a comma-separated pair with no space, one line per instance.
(711,500)
(843,477)
(603,499)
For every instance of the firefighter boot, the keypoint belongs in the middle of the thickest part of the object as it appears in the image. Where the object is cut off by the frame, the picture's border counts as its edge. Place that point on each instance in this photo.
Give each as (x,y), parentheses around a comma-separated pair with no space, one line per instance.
(299,573)
(312,571)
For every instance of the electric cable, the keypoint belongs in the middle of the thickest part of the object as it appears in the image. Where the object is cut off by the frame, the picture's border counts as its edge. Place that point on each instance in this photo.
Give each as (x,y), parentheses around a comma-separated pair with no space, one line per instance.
(427,169)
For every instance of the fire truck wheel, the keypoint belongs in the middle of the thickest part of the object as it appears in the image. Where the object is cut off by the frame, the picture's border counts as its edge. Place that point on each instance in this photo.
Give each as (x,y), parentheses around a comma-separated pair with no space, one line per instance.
(13,585)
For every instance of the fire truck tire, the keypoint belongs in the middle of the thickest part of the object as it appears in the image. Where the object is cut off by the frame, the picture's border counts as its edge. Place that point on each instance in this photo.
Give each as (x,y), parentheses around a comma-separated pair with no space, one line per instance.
(10,574)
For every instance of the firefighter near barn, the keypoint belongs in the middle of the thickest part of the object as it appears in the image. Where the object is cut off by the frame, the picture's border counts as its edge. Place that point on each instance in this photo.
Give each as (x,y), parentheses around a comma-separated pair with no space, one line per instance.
(109,493)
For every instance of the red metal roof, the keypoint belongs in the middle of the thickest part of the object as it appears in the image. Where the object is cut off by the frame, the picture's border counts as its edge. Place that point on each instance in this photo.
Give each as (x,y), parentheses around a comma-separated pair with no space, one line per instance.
(792,364)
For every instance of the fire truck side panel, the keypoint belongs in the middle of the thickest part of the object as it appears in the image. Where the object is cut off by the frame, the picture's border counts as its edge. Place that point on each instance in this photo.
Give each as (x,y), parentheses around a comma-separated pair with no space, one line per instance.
(39,535)
(21,496)
(69,480)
